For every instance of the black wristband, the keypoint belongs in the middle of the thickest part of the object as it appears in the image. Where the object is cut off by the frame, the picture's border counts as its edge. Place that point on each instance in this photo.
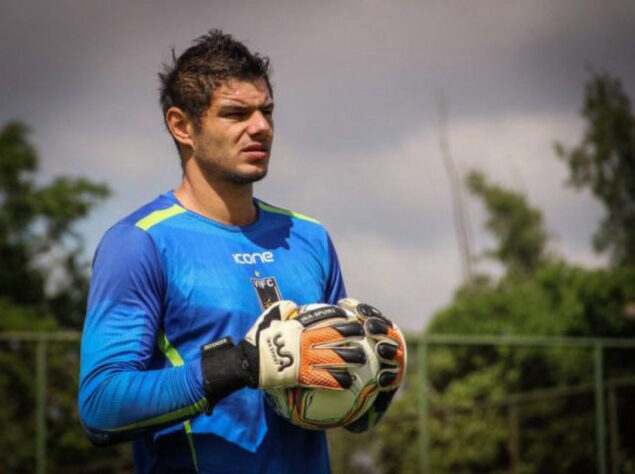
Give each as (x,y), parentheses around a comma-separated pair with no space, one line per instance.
(225,370)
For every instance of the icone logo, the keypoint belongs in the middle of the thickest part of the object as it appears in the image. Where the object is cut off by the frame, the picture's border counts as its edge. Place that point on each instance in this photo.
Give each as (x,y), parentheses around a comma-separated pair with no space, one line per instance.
(252,258)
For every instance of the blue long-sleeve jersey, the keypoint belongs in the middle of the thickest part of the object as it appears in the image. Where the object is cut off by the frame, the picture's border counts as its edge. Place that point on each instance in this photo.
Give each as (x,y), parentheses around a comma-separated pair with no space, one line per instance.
(166,281)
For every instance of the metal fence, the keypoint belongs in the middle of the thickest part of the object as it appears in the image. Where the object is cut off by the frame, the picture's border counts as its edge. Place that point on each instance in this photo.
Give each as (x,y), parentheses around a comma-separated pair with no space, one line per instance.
(421,347)
(42,341)
(597,345)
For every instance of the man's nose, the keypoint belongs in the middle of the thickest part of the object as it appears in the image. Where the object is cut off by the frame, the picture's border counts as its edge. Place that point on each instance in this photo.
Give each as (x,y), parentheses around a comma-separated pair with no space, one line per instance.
(259,124)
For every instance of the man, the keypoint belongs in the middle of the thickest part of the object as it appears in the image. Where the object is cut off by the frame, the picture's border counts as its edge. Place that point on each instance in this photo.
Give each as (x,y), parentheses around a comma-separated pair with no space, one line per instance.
(173,351)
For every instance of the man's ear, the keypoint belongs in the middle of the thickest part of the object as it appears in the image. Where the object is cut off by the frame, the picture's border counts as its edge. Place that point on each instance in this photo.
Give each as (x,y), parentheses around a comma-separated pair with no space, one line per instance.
(180,126)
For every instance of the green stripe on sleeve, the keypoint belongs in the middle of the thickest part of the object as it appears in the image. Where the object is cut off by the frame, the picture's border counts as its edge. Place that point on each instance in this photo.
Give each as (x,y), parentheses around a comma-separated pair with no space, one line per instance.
(169,350)
(185,412)
(158,216)
(190,441)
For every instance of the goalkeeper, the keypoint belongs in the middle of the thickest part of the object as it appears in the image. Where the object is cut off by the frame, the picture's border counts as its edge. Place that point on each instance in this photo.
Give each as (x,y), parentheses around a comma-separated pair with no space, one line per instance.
(172,348)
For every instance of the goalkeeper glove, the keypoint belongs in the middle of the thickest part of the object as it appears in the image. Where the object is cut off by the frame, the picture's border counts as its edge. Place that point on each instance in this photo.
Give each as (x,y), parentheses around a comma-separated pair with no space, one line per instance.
(390,347)
(285,349)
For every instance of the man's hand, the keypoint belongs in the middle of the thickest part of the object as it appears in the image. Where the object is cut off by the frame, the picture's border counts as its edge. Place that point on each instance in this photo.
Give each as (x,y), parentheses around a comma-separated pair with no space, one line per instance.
(286,349)
(390,344)
(310,349)
(391,350)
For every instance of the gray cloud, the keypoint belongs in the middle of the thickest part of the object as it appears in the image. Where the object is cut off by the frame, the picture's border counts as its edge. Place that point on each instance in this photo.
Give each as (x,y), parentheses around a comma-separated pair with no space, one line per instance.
(356,141)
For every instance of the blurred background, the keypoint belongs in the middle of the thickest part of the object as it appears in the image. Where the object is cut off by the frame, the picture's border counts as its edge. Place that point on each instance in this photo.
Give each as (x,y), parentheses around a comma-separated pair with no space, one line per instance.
(474,163)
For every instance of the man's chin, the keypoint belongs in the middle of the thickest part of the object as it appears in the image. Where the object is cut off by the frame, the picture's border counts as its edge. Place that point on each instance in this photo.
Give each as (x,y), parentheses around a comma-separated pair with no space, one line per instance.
(243,175)
(242,178)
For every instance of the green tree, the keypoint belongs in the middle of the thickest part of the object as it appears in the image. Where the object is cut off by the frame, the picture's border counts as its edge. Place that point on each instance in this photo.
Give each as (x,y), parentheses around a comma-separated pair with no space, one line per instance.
(558,300)
(517,227)
(473,389)
(604,162)
(43,286)
(39,247)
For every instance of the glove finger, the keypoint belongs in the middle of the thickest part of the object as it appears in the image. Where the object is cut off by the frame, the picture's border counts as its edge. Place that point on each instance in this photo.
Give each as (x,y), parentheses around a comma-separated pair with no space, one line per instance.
(369,311)
(276,312)
(286,309)
(378,331)
(349,329)
(376,326)
(386,350)
(351,355)
(391,355)
(400,357)
(362,310)
(344,379)
(333,357)
(387,378)
(328,378)
(329,336)
(349,304)
(279,310)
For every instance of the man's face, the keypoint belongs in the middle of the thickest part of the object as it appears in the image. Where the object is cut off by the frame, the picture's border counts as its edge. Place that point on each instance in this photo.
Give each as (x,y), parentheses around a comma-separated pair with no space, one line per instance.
(234,139)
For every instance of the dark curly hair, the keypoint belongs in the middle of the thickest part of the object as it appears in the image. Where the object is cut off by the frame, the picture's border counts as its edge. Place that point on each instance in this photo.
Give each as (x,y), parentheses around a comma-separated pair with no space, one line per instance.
(190,80)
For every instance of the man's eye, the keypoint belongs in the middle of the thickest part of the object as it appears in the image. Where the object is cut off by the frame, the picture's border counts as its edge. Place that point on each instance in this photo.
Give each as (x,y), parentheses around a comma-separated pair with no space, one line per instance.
(237,114)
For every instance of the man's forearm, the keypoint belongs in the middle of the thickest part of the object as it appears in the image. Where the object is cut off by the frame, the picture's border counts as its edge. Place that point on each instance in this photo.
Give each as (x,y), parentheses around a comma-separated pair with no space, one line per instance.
(118,404)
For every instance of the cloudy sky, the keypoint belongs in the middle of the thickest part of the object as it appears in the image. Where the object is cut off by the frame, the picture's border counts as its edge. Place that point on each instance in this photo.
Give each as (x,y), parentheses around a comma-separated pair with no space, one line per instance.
(357,136)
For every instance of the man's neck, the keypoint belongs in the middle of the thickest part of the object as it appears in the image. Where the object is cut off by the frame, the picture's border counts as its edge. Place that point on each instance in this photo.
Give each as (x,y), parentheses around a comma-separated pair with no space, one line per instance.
(223,202)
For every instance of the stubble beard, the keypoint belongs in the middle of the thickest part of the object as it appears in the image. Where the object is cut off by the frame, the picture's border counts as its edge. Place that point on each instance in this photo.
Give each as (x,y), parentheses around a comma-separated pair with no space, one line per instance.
(214,171)
(241,179)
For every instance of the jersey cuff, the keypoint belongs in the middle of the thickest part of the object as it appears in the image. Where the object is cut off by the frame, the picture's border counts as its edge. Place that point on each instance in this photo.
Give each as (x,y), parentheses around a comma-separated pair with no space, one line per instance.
(195,378)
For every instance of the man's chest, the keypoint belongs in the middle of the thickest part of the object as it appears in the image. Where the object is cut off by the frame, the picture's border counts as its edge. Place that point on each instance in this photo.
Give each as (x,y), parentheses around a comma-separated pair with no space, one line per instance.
(218,286)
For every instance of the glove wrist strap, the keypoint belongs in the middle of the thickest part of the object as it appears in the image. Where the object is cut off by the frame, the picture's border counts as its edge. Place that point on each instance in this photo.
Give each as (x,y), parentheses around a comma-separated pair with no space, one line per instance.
(225,370)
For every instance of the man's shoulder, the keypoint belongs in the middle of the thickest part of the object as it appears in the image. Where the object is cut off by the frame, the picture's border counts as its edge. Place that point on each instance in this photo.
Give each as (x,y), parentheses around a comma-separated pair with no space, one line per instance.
(133,228)
(297,224)
(283,213)
(152,213)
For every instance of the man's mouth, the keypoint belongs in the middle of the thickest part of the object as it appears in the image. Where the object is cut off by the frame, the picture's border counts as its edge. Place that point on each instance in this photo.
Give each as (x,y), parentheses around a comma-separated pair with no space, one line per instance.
(256,150)
(256,147)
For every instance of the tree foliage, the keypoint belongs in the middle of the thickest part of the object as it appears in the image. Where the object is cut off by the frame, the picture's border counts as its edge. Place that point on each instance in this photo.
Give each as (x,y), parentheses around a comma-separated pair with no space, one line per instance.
(558,300)
(473,389)
(517,227)
(604,162)
(43,285)
(528,409)
(40,250)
